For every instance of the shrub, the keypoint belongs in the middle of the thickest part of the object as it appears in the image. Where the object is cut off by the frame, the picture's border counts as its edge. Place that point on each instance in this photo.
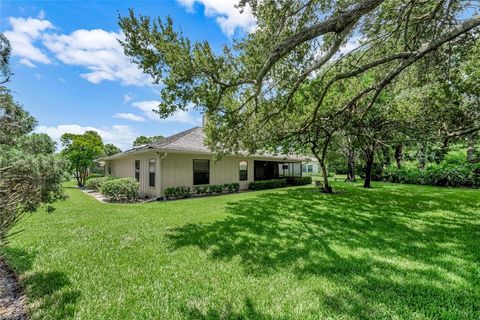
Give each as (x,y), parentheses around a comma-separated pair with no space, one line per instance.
(216,188)
(178,192)
(94,176)
(120,190)
(299,181)
(96,183)
(453,171)
(232,187)
(200,190)
(267,184)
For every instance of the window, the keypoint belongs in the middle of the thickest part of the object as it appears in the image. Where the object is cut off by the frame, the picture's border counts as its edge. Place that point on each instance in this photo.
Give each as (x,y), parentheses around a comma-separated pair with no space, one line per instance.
(310,168)
(137,170)
(243,165)
(201,171)
(151,172)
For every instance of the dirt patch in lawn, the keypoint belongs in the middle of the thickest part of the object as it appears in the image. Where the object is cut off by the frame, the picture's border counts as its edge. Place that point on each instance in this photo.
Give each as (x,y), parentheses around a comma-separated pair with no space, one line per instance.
(12,298)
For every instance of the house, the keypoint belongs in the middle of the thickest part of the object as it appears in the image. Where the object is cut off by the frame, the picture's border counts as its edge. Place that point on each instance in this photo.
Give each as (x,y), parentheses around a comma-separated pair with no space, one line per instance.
(184,160)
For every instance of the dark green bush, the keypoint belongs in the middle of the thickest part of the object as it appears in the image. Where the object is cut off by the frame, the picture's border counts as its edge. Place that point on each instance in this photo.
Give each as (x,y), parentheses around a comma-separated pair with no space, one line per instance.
(267,184)
(200,190)
(94,176)
(96,183)
(120,190)
(453,171)
(216,188)
(299,181)
(232,187)
(178,192)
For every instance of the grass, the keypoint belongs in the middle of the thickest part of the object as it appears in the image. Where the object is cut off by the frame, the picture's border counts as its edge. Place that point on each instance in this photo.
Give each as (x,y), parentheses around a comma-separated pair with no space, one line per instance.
(395,251)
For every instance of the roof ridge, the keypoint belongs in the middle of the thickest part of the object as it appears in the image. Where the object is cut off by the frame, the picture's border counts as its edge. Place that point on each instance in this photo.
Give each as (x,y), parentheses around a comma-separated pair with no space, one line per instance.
(172,138)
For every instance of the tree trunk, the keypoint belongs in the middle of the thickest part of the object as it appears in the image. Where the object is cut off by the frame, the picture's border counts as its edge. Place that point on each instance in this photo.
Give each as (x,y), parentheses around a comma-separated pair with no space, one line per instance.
(368,168)
(350,165)
(422,157)
(399,155)
(326,188)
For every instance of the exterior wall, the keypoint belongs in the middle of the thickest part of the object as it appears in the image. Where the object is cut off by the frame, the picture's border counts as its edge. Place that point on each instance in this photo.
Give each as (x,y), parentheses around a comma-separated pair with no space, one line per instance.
(176,169)
(315,167)
(125,168)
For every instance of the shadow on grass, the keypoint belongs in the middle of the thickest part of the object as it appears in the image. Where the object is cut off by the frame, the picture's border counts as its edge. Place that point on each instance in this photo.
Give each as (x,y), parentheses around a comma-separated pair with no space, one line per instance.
(44,290)
(390,251)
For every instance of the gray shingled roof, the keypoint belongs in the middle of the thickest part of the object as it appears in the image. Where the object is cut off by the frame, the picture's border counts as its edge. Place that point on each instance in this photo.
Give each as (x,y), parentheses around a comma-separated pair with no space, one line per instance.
(191,140)
(188,140)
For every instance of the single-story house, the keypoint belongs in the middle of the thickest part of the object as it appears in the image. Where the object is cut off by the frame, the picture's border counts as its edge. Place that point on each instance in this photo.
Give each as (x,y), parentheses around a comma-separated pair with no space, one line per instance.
(184,160)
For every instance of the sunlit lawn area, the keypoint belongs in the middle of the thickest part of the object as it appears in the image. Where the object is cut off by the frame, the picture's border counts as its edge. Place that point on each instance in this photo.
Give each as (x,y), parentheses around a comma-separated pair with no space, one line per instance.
(395,251)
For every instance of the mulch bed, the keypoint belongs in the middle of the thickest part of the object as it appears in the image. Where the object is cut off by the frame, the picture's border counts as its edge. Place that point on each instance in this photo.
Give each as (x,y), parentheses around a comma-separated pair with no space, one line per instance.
(12,298)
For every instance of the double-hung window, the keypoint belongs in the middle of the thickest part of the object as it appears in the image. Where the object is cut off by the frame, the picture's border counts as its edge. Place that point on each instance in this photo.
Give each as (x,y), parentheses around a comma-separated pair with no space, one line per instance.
(243,170)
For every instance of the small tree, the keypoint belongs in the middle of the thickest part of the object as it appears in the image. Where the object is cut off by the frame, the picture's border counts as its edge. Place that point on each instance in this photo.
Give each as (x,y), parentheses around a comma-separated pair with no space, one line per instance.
(81,150)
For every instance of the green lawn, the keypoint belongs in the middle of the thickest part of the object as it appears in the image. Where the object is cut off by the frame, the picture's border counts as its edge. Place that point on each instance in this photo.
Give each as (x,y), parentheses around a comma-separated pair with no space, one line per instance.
(395,251)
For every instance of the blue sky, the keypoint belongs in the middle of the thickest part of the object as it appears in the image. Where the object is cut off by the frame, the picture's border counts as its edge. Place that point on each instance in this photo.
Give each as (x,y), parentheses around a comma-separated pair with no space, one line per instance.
(71,74)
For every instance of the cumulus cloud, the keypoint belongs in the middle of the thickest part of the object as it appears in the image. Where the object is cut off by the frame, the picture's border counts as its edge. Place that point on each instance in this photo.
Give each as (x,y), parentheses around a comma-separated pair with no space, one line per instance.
(129,116)
(228,17)
(180,116)
(119,135)
(99,52)
(23,36)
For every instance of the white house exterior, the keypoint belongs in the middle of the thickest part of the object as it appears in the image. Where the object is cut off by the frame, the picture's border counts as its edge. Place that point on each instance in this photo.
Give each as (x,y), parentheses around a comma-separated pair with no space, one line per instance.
(184,160)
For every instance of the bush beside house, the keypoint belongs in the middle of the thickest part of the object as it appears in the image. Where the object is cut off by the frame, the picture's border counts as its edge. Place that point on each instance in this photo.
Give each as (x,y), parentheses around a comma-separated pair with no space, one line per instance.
(120,190)
(267,184)
(202,190)
(96,183)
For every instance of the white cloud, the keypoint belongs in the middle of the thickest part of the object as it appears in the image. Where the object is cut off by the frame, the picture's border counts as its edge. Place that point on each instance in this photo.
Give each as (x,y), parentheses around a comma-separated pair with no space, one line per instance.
(99,52)
(129,116)
(41,15)
(127,97)
(228,17)
(27,62)
(61,80)
(119,135)
(180,116)
(24,33)
(38,76)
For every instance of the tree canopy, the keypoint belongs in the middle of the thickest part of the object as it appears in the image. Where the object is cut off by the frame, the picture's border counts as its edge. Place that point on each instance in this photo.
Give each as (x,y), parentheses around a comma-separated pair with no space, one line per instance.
(288,85)
(81,150)
(145,140)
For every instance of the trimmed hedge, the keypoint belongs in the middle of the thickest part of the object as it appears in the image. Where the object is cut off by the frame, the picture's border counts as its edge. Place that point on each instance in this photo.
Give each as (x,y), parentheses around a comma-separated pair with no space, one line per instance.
(96,183)
(182,192)
(299,181)
(267,184)
(120,190)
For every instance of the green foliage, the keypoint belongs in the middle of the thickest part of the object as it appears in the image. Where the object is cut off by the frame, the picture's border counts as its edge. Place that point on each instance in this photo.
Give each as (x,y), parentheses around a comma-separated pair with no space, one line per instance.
(37,143)
(30,174)
(453,171)
(201,190)
(299,181)
(178,192)
(15,121)
(96,183)
(123,190)
(267,184)
(111,149)
(146,140)
(232,187)
(81,150)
